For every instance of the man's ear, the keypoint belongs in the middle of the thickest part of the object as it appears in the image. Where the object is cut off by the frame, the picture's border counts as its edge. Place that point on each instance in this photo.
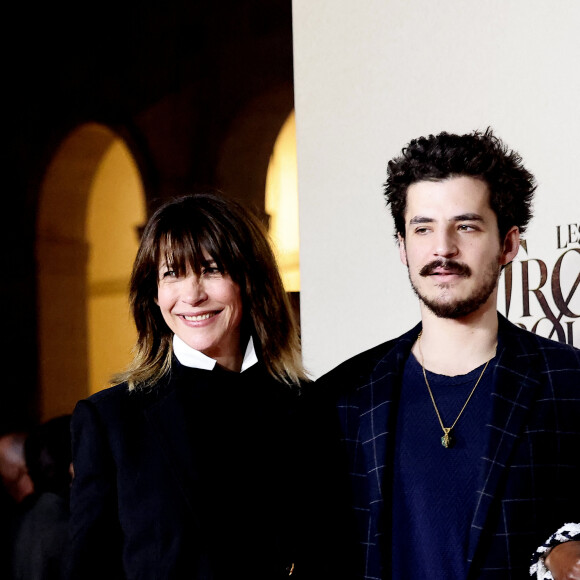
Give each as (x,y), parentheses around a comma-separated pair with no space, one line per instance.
(402,250)
(511,245)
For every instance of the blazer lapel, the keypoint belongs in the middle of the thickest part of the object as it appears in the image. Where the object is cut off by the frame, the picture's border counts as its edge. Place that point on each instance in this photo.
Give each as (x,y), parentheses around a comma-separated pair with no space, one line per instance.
(516,381)
(379,398)
(167,417)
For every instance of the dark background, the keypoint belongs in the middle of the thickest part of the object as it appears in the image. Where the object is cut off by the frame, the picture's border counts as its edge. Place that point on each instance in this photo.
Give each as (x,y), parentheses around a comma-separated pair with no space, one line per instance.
(198,91)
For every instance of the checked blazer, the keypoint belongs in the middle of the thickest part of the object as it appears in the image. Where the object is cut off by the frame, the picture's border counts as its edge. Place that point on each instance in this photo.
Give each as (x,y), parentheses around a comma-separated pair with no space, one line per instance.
(529,475)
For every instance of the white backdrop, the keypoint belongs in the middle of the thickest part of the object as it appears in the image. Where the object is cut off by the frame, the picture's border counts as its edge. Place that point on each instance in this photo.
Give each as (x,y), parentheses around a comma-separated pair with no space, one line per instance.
(372,74)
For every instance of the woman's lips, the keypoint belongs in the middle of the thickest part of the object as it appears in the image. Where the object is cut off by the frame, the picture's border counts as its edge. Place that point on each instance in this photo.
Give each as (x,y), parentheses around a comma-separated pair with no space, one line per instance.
(198,317)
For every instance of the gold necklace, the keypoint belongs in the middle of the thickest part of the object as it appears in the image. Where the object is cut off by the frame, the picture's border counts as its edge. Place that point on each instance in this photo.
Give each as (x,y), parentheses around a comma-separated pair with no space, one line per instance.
(447,439)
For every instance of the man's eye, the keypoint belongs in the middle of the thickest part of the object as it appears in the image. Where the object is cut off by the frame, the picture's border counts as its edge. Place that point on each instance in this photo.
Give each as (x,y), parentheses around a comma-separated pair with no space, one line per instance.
(466,228)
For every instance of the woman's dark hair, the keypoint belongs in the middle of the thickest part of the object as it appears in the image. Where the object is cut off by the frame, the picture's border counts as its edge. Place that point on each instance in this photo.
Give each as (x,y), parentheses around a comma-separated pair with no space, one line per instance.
(179,233)
(479,155)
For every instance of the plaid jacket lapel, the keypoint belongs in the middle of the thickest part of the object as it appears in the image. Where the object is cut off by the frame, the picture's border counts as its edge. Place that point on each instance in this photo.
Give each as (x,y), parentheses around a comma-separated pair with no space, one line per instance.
(516,381)
(377,423)
(378,411)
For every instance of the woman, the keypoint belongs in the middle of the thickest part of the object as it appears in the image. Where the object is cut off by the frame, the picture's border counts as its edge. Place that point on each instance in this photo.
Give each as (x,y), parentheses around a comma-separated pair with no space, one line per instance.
(184,469)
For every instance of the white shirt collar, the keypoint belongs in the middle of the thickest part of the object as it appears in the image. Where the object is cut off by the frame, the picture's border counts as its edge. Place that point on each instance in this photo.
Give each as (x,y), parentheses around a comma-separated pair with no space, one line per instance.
(189,357)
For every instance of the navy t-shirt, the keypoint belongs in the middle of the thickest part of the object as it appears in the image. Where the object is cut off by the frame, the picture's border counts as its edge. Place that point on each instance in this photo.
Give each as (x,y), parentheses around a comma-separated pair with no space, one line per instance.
(434,488)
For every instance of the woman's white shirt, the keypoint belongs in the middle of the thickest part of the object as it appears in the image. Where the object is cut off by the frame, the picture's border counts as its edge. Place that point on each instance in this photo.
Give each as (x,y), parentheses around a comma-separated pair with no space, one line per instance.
(189,357)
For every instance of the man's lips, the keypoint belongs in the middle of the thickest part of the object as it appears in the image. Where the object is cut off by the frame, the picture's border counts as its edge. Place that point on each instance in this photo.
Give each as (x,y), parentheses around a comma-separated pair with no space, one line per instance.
(445,268)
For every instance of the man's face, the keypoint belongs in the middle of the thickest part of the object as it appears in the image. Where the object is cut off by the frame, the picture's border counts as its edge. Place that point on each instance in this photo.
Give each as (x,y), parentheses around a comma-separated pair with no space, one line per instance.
(452,247)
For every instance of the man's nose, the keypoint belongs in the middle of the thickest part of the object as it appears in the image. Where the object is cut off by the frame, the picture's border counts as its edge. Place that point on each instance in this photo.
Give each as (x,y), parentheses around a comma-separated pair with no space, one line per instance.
(445,244)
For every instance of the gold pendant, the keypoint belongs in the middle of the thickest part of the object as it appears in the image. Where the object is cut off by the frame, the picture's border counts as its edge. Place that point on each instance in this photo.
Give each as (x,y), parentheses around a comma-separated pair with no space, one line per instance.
(446,440)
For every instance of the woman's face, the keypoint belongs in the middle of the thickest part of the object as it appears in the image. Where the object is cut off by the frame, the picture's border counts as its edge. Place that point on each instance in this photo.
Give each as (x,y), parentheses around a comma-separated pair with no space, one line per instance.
(205,311)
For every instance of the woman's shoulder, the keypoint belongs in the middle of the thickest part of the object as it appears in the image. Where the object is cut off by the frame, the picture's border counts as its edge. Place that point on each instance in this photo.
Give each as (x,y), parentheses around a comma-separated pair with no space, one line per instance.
(112,394)
(118,400)
(259,378)
(116,409)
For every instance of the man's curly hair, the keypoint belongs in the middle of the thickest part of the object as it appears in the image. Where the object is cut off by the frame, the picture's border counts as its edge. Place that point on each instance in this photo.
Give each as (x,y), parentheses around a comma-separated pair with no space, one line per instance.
(479,155)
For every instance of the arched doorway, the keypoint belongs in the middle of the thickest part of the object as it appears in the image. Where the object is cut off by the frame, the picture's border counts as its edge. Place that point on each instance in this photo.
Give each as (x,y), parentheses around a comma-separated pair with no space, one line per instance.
(282,204)
(91,204)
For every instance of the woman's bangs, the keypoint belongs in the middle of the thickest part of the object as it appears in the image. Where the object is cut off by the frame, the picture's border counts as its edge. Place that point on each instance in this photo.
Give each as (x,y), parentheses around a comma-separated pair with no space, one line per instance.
(181,253)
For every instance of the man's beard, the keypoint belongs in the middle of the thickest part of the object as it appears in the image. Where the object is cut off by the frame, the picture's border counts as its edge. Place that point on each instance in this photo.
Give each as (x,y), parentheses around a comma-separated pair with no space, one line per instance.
(461,307)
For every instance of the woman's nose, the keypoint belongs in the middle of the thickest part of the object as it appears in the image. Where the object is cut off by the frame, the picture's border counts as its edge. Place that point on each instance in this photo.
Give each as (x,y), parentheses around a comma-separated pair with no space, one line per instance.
(195,290)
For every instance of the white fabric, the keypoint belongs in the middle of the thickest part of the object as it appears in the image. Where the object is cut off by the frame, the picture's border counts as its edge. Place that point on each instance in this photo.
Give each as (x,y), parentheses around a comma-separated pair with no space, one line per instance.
(189,357)
(566,533)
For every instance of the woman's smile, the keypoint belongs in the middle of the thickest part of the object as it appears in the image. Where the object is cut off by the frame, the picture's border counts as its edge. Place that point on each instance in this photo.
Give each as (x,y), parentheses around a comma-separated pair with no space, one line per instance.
(199,317)
(204,309)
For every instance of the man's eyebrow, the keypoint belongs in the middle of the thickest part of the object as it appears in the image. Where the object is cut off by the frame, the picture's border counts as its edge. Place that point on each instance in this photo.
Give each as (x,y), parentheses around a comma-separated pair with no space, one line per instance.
(467,217)
(464,217)
(419,219)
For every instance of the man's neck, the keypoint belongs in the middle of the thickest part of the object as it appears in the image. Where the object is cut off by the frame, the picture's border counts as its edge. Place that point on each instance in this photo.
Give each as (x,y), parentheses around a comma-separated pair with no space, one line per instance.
(457,346)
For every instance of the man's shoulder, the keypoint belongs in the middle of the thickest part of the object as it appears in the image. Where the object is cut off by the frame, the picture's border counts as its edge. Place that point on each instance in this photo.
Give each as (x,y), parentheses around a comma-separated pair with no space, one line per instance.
(527,339)
(356,369)
(554,355)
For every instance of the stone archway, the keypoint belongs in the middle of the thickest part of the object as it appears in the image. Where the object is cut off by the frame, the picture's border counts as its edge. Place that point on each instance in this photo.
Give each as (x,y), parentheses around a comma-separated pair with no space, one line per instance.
(65,274)
(246,150)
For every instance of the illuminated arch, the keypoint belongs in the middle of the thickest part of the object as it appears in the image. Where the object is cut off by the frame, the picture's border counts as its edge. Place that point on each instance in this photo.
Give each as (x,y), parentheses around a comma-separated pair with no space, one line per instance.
(282,204)
(91,202)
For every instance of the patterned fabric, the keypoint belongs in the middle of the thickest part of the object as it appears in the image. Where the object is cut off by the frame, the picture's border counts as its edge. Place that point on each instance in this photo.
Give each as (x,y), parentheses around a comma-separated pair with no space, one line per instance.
(566,533)
(527,475)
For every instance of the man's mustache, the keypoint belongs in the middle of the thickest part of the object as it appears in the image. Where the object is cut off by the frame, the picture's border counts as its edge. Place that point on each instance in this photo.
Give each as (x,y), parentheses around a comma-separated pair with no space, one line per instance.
(450,266)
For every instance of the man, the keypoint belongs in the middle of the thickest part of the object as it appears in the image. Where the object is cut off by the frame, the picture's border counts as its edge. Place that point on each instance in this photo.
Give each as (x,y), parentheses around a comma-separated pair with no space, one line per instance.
(462,436)
(41,532)
(16,489)
(13,471)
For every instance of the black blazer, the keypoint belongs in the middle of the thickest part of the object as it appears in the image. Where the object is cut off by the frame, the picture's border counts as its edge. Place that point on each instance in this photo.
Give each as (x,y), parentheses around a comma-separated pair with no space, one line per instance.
(191,479)
(528,477)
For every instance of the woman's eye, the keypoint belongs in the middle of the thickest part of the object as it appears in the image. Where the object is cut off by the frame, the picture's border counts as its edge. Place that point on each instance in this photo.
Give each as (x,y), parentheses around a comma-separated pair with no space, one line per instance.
(169,274)
(210,270)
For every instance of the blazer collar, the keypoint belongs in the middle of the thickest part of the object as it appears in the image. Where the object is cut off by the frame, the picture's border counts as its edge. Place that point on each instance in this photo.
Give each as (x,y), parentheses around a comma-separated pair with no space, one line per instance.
(166,411)
(378,401)
(516,379)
